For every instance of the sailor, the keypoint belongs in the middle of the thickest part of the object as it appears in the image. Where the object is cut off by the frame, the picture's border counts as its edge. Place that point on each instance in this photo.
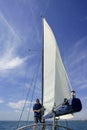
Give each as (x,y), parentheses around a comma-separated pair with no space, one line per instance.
(65,102)
(37,113)
(73,94)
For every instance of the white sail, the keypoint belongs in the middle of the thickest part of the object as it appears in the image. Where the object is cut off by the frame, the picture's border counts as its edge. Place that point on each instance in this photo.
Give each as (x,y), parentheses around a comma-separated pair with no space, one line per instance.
(55,79)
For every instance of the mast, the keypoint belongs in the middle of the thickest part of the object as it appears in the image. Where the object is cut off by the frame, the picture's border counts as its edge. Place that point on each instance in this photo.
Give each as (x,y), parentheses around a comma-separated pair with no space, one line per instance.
(42,58)
(43,120)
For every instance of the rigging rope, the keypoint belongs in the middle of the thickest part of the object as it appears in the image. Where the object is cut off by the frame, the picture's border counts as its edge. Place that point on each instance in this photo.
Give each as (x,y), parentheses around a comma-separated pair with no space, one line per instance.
(28,96)
(33,92)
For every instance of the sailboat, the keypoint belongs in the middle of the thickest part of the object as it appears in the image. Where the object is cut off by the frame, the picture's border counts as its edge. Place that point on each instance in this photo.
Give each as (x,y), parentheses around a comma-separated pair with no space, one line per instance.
(58,97)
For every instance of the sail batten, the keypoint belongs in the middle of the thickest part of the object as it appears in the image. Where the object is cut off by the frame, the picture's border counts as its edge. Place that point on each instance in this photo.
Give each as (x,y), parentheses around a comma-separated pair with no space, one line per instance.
(55,87)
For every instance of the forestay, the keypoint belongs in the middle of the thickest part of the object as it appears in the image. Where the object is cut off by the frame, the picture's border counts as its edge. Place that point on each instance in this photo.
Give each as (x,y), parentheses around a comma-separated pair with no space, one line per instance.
(55,87)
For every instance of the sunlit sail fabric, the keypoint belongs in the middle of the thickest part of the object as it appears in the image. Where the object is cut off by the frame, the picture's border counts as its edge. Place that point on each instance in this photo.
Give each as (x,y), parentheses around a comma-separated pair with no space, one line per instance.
(55,81)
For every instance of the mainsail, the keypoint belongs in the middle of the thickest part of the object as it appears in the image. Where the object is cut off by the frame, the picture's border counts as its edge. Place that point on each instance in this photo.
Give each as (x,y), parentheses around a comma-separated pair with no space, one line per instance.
(55,87)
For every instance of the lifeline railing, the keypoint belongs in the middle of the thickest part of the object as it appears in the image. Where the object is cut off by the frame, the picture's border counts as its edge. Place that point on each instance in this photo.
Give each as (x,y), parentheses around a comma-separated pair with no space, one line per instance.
(44,126)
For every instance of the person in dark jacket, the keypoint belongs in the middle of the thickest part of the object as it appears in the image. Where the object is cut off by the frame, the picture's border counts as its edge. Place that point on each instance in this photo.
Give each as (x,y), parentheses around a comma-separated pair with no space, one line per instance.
(37,113)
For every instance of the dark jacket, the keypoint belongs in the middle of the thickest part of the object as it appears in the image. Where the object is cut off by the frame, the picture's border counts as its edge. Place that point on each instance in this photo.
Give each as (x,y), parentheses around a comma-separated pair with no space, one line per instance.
(37,107)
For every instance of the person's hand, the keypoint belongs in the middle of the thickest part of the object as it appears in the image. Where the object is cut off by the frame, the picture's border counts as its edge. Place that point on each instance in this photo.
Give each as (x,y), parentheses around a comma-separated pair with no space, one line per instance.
(38,110)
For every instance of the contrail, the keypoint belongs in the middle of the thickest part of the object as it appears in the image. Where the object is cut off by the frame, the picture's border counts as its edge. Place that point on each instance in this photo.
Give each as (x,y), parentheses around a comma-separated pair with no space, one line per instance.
(9,26)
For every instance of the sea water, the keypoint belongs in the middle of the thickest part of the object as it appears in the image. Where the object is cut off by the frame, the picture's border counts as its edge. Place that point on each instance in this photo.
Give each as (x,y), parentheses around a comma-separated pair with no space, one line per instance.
(75,125)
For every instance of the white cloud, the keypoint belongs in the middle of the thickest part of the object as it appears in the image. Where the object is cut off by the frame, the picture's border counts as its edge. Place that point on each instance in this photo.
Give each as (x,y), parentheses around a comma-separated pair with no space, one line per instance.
(80,42)
(9,43)
(78,52)
(84,86)
(1,101)
(14,115)
(10,64)
(18,105)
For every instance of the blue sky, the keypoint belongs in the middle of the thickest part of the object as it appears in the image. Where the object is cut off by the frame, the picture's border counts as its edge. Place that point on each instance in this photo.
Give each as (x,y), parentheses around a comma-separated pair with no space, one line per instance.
(21,31)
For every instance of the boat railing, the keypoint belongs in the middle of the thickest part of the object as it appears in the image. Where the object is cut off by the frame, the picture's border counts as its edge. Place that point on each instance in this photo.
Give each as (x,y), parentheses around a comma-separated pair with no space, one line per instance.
(44,126)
